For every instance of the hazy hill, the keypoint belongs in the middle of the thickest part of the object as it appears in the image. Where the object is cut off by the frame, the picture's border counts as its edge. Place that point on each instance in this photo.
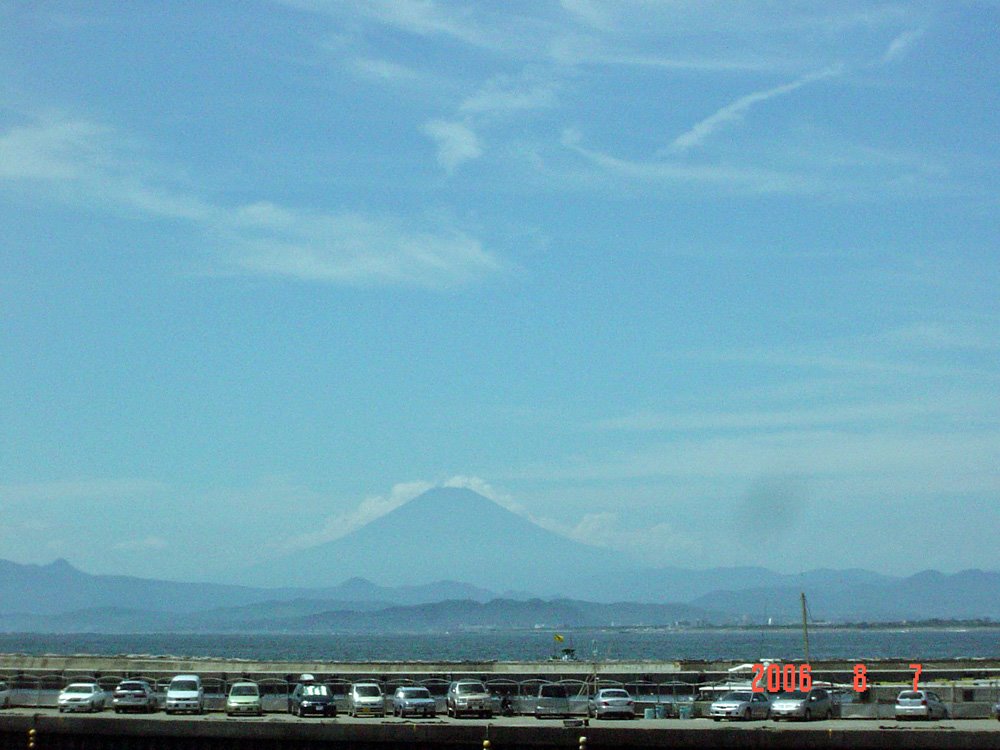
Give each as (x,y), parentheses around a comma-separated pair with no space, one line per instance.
(450,533)
(59,587)
(968,594)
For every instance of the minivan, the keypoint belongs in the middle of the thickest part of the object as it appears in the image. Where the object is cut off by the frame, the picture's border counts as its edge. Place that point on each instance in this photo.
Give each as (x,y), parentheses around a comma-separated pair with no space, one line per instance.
(185,693)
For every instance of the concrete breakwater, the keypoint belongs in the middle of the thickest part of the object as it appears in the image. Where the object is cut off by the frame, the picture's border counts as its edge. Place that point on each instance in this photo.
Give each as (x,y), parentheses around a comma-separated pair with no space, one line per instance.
(969,686)
(103,732)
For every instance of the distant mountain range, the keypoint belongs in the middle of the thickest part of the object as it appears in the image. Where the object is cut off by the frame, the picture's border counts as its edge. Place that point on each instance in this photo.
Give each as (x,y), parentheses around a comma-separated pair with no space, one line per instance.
(448,552)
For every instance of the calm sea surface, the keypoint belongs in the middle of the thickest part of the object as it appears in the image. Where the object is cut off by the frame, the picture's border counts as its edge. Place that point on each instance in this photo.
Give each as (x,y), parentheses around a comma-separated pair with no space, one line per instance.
(742,645)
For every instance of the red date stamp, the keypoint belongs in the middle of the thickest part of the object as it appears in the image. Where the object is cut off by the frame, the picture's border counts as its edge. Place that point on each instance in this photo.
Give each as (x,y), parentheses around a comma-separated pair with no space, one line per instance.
(778,678)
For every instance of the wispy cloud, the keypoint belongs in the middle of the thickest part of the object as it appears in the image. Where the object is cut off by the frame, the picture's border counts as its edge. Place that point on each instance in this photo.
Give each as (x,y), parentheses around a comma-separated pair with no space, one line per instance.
(456,143)
(731,178)
(77,161)
(507,95)
(351,248)
(737,109)
(385,70)
(900,46)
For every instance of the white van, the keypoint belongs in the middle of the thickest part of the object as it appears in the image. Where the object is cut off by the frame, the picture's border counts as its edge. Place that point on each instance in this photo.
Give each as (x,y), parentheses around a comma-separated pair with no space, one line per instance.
(185,694)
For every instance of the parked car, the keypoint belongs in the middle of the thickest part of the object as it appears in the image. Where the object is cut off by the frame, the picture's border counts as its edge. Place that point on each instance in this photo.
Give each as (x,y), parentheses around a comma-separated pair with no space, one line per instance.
(185,693)
(4,695)
(413,700)
(469,697)
(309,698)
(134,695)
(82,696)
(741,704)
(801,704)
(919,704)
(608,702)
(552,700)
(244,698)
(366,699)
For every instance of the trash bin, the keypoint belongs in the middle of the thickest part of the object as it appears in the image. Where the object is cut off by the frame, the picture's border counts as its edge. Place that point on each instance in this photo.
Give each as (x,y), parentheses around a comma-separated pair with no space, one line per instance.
(649,713)
(684,710)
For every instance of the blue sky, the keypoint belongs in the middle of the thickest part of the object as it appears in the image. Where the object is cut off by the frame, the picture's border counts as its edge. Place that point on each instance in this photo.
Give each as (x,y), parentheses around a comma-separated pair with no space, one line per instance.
(709,283)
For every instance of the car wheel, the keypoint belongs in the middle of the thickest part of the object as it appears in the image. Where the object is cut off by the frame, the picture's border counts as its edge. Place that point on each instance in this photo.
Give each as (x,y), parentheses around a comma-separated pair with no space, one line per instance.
(117,710)
(808,715)
(746,715)
(828,715)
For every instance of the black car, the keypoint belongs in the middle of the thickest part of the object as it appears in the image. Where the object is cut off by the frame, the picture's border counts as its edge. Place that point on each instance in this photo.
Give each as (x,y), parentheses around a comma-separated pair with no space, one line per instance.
(312,700)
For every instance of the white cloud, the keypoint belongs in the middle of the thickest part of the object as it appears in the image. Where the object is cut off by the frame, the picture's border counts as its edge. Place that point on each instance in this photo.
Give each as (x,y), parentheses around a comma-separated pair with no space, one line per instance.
(737,109)
(756,181)
(384,70)
(271,240)
(504,95)
(456,142)
(370,508)
(900,46)
(79,162)
(655,543)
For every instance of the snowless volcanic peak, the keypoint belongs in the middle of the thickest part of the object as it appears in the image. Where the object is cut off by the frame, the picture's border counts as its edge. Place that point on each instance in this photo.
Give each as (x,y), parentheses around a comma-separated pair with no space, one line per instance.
(447,533)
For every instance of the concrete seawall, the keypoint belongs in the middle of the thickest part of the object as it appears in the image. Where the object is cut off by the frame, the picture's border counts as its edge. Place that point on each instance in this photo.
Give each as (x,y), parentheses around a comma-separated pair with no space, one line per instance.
(207,733)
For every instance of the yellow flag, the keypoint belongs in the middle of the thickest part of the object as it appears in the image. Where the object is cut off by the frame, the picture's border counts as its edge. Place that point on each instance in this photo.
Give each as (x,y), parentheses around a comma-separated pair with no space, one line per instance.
(559,638)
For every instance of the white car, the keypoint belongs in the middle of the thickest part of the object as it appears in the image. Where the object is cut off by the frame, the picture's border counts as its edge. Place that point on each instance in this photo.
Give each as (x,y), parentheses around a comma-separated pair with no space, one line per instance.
(4,695)
(741,704)
(244,698)
(802,704)
(608,702)
(469,697)
(365,699)
(82,696)
(185,693)
(919,704)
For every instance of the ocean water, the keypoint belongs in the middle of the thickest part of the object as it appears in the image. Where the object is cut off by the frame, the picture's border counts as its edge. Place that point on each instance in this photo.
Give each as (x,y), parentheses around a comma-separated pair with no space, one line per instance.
(915,644)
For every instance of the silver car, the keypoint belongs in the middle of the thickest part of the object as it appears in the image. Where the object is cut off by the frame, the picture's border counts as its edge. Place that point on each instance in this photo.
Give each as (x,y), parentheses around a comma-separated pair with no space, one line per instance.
(919,704)
(134,695)
(741,704)
(609,702)
(81,696)
(552,700)
(365,699)
(416,701)
(801,704)
(469,697)
(244,698)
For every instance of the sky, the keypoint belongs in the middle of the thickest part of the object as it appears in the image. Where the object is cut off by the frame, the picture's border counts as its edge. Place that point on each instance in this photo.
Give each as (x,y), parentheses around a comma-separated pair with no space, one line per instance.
(708,283)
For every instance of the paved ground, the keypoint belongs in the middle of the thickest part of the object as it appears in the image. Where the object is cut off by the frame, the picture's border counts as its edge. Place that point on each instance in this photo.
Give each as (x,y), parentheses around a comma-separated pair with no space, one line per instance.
(528,721)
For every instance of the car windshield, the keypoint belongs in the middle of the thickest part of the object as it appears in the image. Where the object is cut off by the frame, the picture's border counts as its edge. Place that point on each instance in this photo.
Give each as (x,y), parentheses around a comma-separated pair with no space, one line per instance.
(186,685)
(910,695)
(244,690)
(471,687)
(614,694)
(79,689)
(737,697)
(315,690)
(415,693)
(553,691)
(367,691)
(138,686)
(793,695)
